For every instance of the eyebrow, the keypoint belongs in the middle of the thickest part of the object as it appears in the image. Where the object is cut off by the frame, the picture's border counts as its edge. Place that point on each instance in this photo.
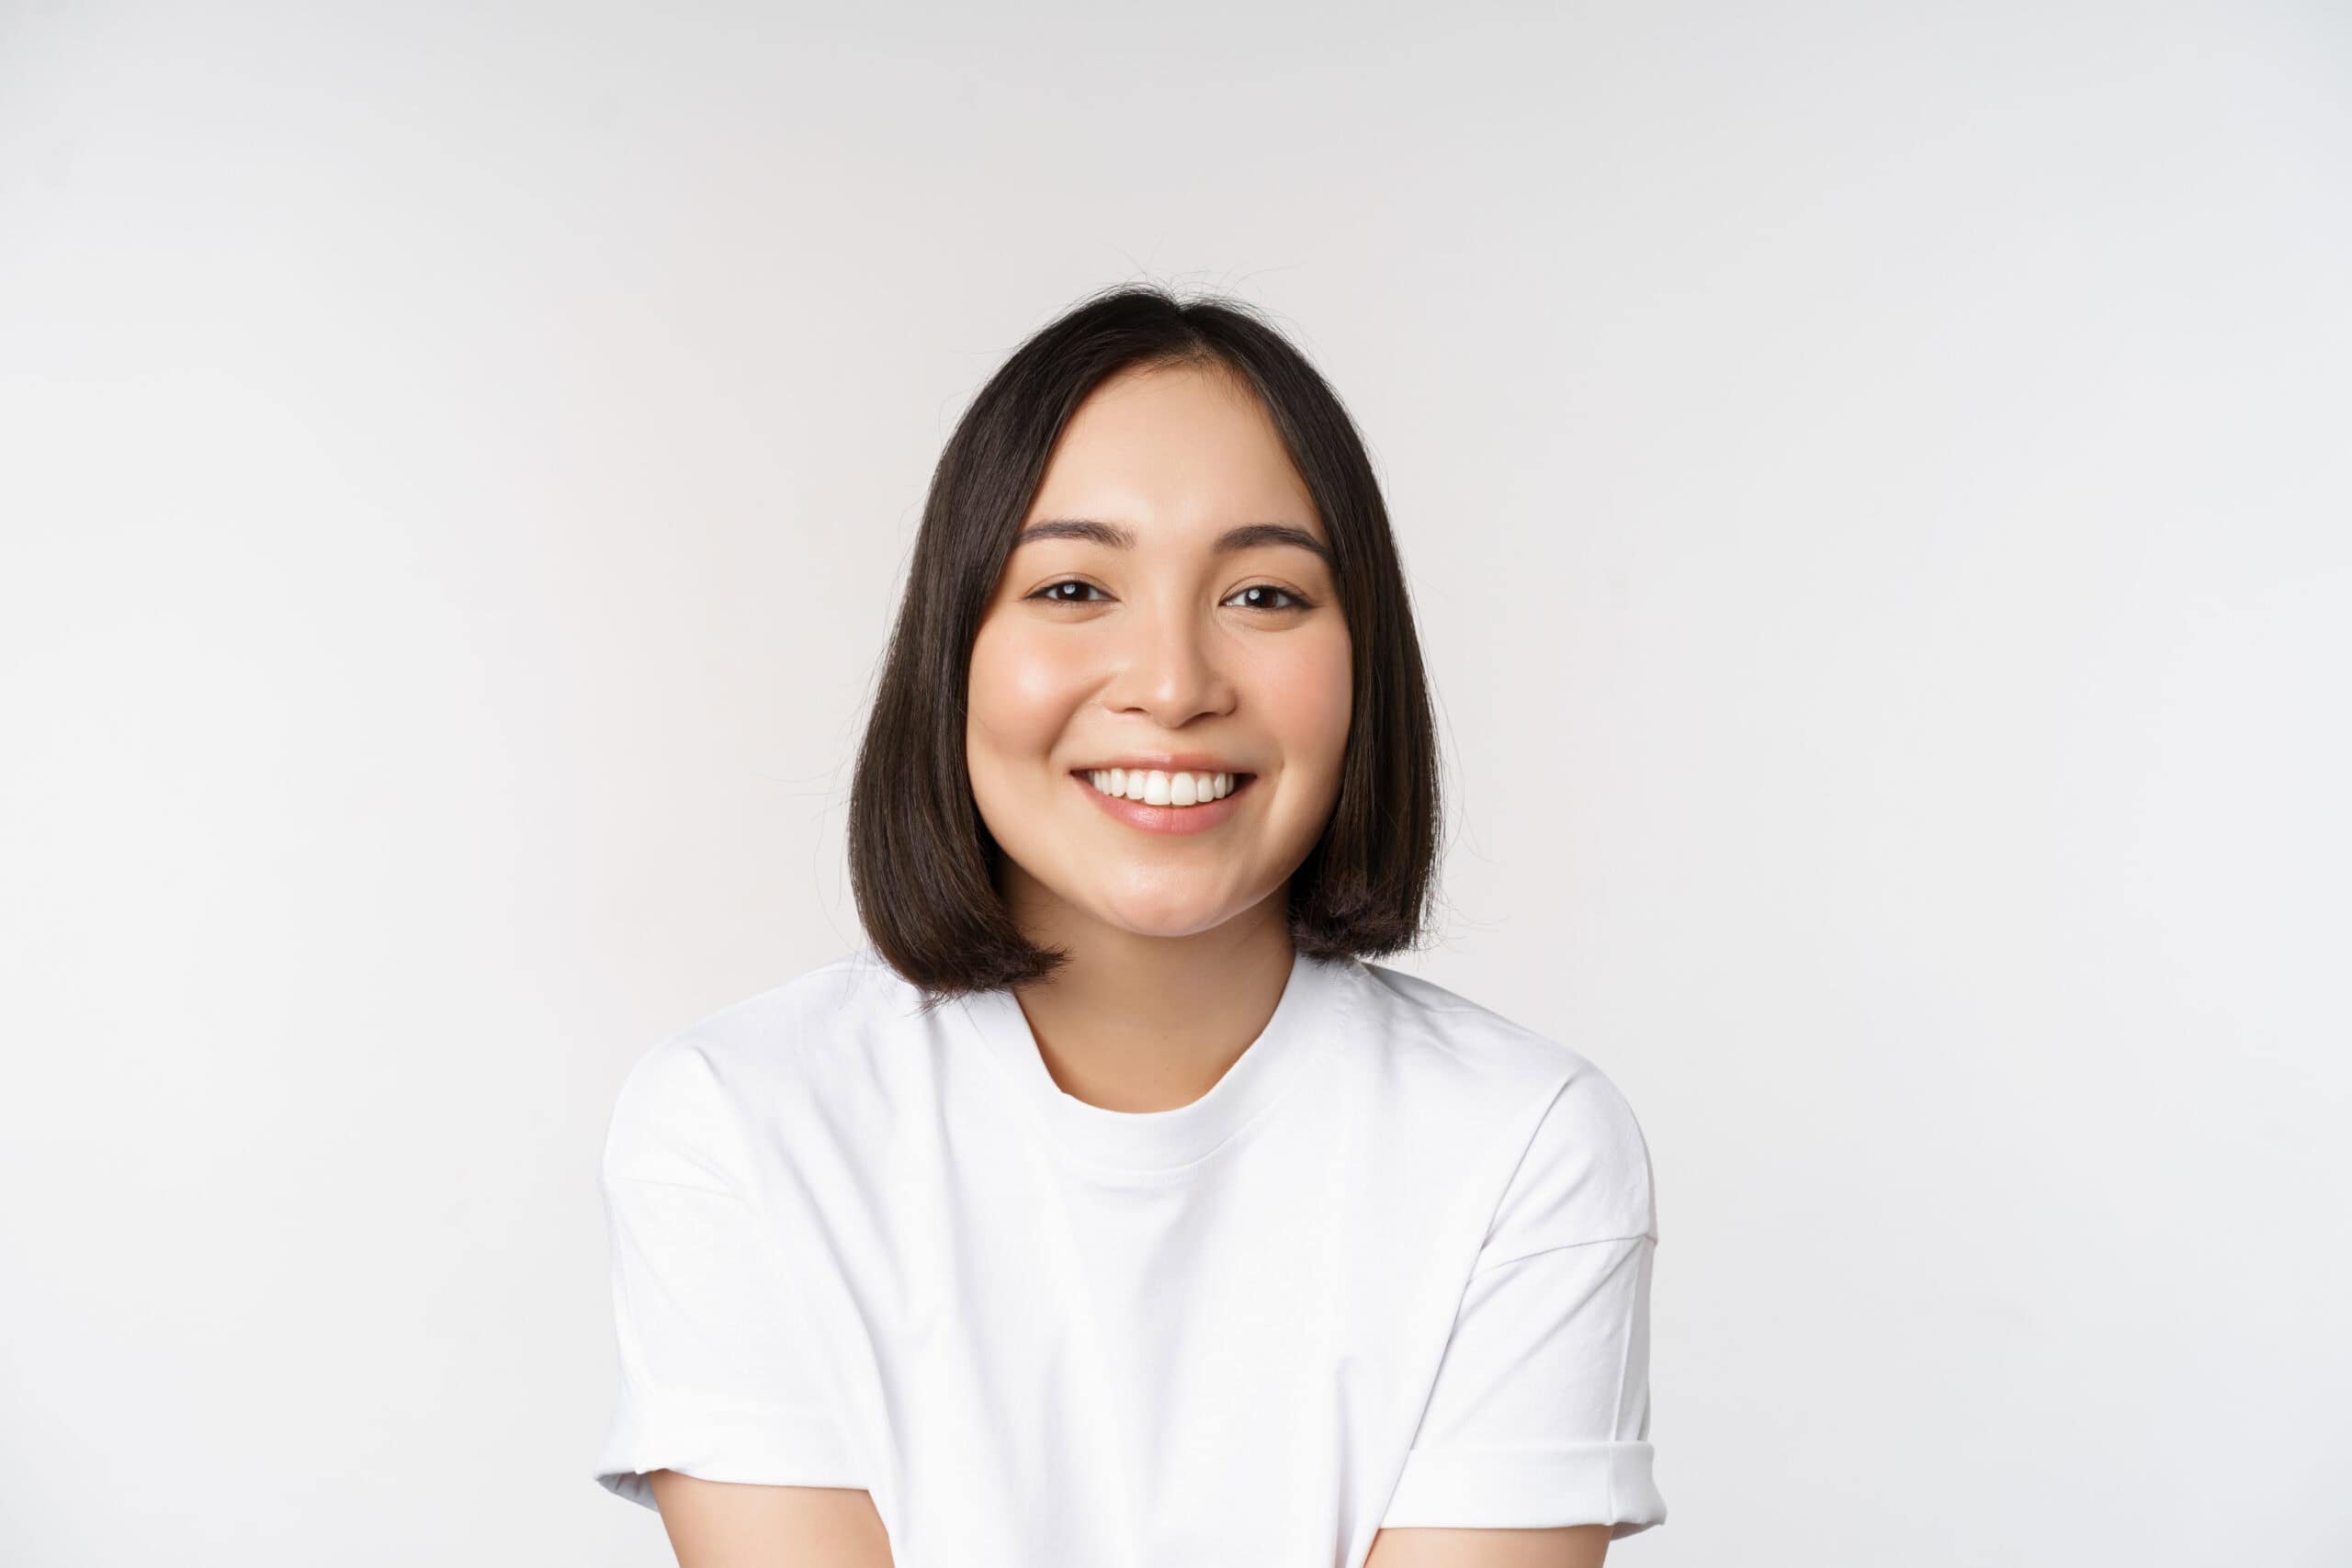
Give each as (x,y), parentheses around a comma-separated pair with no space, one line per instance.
(1247,537)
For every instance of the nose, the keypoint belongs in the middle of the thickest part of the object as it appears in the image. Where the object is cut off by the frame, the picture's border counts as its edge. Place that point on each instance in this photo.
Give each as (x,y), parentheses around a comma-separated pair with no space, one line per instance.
(1174,666)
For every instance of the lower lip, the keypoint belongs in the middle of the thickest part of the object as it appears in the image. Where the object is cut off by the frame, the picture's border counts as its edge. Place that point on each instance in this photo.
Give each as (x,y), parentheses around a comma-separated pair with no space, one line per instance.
(1169,819)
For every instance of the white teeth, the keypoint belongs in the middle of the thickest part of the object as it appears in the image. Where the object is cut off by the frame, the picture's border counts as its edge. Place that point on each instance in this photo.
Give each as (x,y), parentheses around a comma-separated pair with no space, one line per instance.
(1155,788)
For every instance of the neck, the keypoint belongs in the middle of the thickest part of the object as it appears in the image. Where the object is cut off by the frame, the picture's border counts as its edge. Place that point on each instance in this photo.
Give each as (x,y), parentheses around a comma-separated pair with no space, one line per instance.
(1141,1023)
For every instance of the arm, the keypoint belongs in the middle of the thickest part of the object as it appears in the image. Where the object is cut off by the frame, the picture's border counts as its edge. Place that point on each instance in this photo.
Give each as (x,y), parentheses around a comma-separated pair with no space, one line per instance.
(1570,1546)
(724,1423)
(726,1524)
(1534,1447)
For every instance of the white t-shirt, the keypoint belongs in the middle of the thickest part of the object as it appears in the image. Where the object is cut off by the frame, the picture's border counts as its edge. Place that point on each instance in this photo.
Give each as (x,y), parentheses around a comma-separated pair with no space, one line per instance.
(1393,1269)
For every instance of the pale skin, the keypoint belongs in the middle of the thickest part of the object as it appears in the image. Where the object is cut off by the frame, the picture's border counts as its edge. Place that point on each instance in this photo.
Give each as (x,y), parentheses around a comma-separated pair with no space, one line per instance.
(1091,648)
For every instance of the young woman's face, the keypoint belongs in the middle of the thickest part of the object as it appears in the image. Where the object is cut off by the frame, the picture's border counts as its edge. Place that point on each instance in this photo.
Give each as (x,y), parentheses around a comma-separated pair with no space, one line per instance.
(1182,652)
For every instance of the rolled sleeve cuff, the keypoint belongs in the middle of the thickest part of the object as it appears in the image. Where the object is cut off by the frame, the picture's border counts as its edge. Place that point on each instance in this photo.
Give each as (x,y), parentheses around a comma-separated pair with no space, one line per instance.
(761,1447)
(1529,1488)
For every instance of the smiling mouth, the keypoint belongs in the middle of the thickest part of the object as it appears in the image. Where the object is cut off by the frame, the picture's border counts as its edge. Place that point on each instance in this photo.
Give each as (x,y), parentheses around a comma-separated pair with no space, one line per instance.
(1178,790)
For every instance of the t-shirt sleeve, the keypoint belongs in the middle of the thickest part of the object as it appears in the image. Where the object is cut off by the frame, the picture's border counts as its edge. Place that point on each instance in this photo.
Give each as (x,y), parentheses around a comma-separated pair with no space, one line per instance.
(716,1378)
(1540,1414)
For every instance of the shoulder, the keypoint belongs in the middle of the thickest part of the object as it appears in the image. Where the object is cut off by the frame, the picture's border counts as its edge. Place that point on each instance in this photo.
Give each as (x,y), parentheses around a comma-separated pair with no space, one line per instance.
(1585,1175)
(680,1113)
(1426,1017)
(1584,1170)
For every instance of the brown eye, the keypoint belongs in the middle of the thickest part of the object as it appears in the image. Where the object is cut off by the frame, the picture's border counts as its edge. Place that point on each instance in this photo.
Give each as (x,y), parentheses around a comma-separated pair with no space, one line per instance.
(1298,602)
(1049,594)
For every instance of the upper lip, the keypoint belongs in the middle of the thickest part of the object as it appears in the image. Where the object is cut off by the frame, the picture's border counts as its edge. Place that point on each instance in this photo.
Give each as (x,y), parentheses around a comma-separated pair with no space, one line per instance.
(1166,762)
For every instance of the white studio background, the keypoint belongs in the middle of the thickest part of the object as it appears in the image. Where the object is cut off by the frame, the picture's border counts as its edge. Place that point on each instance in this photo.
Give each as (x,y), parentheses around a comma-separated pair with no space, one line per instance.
(1876,485)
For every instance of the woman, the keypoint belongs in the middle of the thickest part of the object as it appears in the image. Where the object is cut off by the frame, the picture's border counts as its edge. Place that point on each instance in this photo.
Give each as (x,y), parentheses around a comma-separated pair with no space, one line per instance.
(1110,1207)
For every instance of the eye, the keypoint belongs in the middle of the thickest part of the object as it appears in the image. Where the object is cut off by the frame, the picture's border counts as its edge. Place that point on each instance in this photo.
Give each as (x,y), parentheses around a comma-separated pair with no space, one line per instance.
(1049,594)
(1297,601)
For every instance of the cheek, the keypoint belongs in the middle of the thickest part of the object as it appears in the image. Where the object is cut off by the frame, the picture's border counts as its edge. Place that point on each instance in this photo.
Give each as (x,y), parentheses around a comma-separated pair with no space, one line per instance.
(1312,688)
(1020,690)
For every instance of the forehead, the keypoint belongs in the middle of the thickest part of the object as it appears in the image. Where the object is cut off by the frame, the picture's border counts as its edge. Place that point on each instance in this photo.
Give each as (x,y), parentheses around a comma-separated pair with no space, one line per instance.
(1175,447)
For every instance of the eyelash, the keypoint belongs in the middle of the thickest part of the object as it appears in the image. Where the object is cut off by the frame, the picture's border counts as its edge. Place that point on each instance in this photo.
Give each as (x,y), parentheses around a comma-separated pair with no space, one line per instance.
(1299,601)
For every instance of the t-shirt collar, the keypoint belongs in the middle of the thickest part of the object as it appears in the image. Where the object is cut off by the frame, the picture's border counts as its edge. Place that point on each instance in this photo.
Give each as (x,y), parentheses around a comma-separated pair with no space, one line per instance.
(1306,1014)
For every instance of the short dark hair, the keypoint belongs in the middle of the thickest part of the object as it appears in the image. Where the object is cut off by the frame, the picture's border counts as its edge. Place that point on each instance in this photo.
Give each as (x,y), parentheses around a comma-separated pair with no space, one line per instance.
(922,864)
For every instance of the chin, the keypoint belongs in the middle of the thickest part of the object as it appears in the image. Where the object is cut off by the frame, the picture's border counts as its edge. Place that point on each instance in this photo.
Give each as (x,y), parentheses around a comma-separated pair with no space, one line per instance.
(1162,918)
